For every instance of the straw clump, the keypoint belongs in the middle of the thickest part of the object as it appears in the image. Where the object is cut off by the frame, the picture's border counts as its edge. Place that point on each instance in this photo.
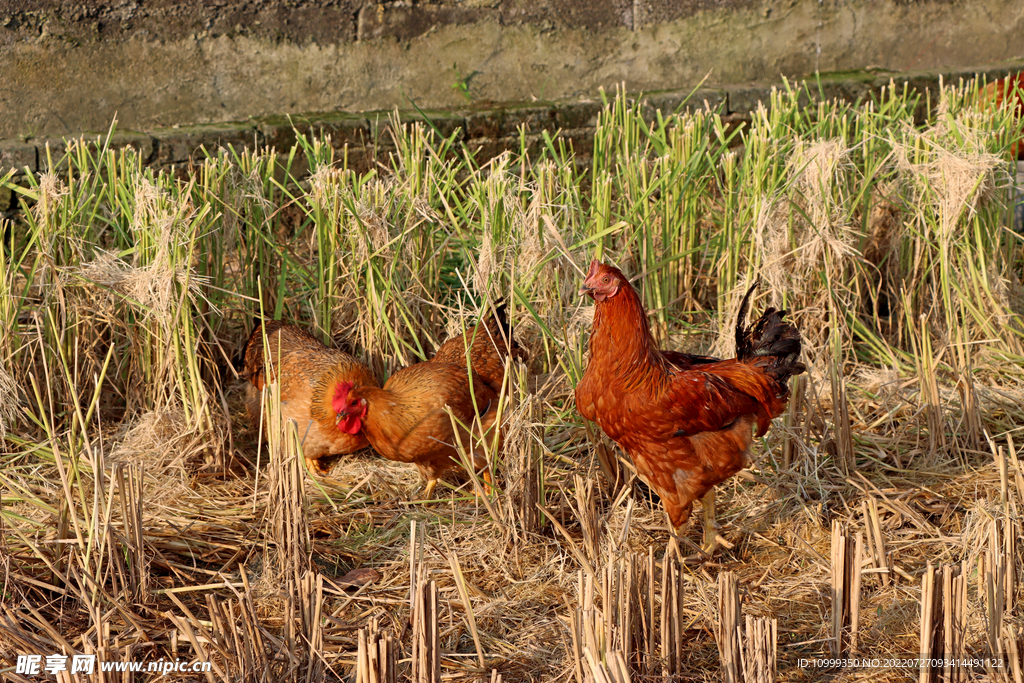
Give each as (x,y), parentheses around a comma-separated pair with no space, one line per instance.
(151,283)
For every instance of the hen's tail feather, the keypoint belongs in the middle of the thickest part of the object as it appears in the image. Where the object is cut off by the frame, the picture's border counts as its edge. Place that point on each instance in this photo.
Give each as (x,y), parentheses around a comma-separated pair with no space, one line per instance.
(770,343)
(489,343)
(504,328)
(501,318)
(253,356)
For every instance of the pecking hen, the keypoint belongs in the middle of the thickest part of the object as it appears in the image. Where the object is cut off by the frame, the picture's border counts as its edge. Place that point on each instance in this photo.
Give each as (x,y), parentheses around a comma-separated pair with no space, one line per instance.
(310,374)
(405,420)
(685,420)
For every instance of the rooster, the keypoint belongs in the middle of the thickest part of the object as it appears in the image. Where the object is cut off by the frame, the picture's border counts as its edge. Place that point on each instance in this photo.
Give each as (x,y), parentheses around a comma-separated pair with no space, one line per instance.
(406,421)
(309,374)
(685,420)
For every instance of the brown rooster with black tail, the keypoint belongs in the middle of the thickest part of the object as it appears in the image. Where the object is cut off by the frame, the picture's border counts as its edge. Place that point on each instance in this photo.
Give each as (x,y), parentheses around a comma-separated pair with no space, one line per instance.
(685,420)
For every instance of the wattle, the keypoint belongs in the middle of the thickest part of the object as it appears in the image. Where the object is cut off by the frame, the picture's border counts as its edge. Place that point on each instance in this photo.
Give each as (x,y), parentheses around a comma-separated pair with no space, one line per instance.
(350,424)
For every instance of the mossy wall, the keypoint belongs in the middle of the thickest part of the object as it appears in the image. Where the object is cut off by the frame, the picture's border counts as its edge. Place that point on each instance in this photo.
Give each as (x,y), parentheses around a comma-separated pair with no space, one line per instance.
(68,66)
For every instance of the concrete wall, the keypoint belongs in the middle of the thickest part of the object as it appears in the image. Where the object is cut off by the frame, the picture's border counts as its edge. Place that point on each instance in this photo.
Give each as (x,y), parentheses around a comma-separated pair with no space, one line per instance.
(68,66)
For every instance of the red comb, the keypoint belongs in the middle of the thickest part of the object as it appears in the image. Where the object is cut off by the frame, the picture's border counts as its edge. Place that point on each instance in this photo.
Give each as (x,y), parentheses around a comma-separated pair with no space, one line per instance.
(594,264)
(341,396)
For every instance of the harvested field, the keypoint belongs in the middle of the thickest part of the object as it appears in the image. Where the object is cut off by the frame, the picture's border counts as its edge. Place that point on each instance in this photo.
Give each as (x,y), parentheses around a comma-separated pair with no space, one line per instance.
(143,519)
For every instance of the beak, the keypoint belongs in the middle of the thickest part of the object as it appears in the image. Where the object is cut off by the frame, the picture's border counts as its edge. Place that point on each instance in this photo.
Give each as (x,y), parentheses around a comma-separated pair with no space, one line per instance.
(592,273)
(337,418)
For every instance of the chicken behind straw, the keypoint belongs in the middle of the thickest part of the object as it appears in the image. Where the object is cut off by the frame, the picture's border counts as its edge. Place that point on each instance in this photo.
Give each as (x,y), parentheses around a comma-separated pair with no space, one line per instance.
(309,374)
(685,420)
(406,420)
(1007,92)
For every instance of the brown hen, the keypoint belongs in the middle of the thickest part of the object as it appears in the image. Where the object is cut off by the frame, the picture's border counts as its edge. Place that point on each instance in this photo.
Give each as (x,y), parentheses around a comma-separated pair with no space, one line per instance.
(309,374)
(406,421)
(685,420)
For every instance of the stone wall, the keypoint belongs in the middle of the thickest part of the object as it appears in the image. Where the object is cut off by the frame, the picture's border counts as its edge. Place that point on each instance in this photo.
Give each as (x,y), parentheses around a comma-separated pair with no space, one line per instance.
(68,66)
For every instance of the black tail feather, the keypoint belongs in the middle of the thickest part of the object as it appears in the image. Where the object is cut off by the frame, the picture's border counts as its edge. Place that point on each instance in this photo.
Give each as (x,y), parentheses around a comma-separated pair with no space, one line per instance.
(505,328)
(742,340)
(770,342)
(501,317)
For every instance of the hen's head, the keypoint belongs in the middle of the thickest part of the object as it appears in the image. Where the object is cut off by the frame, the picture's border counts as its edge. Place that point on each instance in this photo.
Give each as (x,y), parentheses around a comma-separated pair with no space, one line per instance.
(349,409)
(603,281)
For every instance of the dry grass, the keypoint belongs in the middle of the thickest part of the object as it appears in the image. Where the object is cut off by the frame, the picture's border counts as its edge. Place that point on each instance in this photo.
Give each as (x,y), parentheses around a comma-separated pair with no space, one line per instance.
(142,518)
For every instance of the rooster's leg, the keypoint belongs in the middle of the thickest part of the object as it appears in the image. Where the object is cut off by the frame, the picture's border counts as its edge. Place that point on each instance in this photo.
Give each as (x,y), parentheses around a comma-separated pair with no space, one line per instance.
(428,491)
(488,489)
(708,518)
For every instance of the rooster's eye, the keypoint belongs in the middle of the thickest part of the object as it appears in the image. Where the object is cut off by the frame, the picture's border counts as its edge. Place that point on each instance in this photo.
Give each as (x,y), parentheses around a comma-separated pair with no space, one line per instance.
(605,279)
